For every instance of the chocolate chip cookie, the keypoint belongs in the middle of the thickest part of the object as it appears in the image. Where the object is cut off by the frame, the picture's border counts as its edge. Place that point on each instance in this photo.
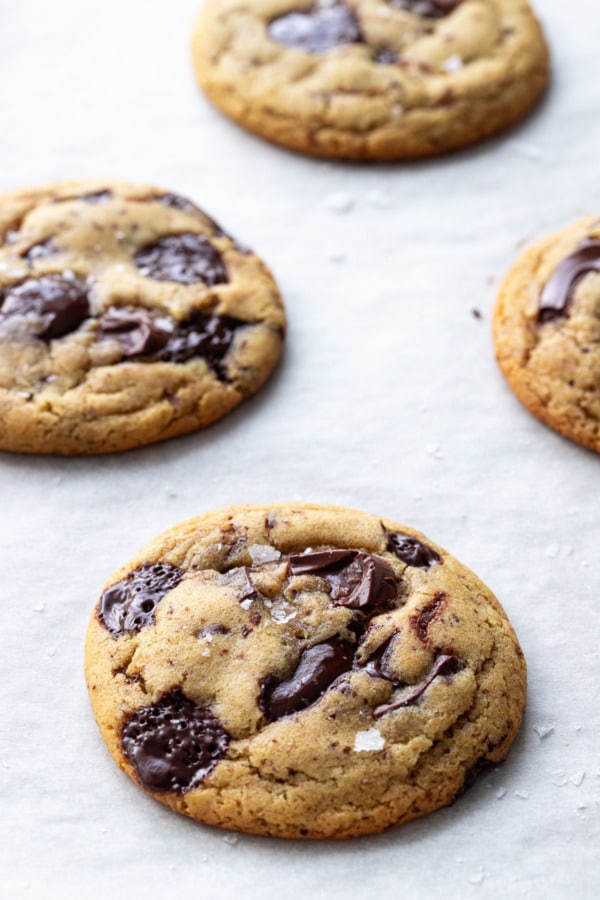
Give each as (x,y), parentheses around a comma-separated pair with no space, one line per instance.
(547,331)
(371,79)
(126,316)
(302,671)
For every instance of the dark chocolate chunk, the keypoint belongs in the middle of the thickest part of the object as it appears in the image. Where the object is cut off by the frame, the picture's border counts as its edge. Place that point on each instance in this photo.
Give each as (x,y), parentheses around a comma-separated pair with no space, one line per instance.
(318,30)
(96,197)
(176,201)
(377,664)
(60,303)
(130,605)
(425,616)
(412,552)
(444,665)
(428,9)
(202,334)
(356,579)
(174,744)
(318,668)
(135,330)
(184,258)
(557,296)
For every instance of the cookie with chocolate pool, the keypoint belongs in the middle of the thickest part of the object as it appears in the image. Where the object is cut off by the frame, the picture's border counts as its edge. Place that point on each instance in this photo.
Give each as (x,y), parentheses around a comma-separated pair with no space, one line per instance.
(371,79)
(127,316)
(547,331)
(302,671)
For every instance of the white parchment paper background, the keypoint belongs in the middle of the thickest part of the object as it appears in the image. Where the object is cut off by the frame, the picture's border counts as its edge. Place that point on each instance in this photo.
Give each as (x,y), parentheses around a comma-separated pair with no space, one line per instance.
(388,400)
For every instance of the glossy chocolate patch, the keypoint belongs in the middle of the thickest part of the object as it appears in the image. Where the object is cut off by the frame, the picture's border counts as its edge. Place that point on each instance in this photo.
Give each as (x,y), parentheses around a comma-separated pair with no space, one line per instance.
(377,664)
(411,551)
(130,605)
(428,9)
(202,334)
(59,304)
(317,31)
(444,665)
(423,619)
(174,744)
(356,579)
(183,258)
(135,330)
(318,668)
(557,295)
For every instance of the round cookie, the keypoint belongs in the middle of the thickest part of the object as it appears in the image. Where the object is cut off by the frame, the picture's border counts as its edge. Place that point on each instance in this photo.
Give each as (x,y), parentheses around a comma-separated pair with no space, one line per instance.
(371,79)
(127,316)
(302,671)
(547,331)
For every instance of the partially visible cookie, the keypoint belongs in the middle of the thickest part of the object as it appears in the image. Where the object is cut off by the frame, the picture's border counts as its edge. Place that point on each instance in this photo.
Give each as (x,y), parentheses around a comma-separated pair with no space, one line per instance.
(371,79)
(302,671)
(547,331)
(127,316)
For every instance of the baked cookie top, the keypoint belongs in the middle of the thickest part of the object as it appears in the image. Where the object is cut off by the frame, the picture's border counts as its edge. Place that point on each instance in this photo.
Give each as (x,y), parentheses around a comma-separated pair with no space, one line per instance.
(371,79)
(302,671)
(126,316)
(547,331)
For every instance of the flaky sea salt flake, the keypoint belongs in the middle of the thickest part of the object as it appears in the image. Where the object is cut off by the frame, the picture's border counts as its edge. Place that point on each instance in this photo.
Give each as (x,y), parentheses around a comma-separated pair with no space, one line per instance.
(261,553)
(371,739)
(453,64)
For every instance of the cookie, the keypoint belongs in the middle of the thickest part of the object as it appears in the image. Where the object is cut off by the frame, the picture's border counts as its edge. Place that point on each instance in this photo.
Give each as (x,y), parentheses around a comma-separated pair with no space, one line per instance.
(127,316)
(302,671)
(371,79)
(547,331)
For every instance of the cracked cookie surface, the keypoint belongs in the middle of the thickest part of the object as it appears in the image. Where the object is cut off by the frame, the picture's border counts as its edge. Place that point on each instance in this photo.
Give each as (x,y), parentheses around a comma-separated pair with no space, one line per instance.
(127,316)
(302,671)
(547,331)
(371,79)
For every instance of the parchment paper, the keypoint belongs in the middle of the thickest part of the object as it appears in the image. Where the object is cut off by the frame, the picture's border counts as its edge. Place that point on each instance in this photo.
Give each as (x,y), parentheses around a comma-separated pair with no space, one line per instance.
(388,400)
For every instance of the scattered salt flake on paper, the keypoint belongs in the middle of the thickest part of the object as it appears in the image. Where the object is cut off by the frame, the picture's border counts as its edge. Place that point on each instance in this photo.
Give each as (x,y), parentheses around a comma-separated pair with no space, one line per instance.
(340,202)
(543,731)
(552,551)
(500,793)
(577,778)
(477,878)
(52,651)
(231,839)
(170,491)
(261,553)
(522,795)
(39,607)
(338,256)
(530,152)
(454,63)
(435,451)
(368,740)
(559,778)
(378,199)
